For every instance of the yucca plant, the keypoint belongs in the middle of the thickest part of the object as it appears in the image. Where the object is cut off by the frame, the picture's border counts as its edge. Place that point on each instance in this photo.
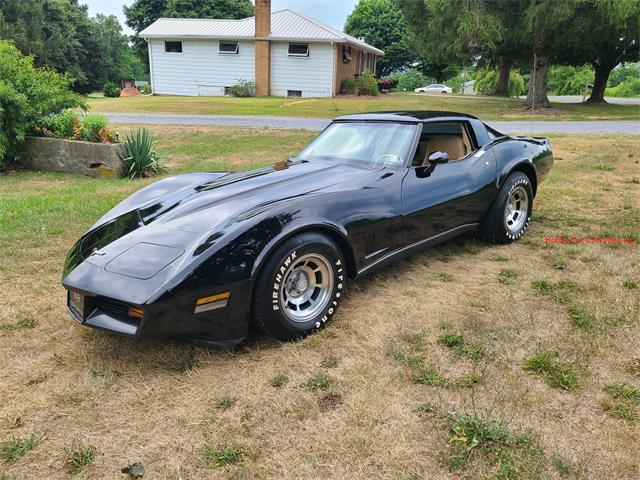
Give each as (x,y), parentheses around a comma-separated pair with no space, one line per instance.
(139,159)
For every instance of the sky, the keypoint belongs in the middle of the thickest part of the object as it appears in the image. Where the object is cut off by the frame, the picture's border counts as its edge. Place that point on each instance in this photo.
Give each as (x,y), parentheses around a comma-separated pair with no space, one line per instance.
(331,12)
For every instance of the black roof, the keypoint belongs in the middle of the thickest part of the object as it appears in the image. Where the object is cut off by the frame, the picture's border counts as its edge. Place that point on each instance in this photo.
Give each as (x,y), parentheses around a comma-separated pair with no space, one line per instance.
(408,116)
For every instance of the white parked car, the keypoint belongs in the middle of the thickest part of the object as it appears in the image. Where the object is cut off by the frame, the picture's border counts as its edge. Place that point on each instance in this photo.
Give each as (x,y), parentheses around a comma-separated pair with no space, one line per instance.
(434,88)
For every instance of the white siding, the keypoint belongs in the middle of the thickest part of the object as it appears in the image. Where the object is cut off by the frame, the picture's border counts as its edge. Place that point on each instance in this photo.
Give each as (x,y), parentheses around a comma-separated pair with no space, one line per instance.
(199,69)
(313,75)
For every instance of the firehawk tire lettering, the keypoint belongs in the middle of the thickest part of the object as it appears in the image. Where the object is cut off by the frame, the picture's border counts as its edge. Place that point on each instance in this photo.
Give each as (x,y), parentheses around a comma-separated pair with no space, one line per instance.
(277,323)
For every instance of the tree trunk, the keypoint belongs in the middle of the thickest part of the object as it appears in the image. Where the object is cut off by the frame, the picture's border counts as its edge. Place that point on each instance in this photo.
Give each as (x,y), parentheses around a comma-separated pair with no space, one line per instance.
(502,87)
(537,94)
(600,83)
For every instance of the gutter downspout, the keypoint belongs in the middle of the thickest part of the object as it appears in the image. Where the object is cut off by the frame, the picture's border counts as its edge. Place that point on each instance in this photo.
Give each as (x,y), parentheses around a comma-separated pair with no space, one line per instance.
(153,80)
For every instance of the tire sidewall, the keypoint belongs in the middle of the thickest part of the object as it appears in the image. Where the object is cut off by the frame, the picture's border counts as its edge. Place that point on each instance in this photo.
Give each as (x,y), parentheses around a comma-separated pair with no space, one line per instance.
(513,182)
(276,320)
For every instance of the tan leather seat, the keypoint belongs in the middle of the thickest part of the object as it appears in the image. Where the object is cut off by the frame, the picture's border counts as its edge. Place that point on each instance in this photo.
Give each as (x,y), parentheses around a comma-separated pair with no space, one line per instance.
(453,146)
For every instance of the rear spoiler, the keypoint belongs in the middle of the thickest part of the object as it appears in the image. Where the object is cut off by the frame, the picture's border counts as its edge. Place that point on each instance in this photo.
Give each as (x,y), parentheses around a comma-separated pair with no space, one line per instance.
(541,140)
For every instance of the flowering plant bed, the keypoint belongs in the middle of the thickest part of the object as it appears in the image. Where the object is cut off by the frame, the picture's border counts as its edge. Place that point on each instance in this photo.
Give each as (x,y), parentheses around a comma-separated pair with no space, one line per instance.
(70,125)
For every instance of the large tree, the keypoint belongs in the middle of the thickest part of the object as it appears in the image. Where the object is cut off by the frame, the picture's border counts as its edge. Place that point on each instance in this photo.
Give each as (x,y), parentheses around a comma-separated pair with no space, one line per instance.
(382,25)
(60,34)
(547,23)
(452,32)
(603,33)
(143,13)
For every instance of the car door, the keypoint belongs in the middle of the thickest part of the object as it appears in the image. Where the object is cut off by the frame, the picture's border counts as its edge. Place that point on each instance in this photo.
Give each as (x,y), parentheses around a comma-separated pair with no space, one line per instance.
(440,198)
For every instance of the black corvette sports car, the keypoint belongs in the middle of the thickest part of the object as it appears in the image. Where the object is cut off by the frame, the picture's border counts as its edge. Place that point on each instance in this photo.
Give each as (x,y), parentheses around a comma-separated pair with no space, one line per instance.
(203,256)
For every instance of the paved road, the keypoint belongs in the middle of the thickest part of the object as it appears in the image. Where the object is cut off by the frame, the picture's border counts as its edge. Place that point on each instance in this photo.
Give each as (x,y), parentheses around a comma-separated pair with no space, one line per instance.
(315,124)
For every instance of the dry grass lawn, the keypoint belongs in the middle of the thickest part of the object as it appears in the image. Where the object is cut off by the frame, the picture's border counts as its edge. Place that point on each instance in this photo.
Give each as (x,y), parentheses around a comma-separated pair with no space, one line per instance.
(517,361)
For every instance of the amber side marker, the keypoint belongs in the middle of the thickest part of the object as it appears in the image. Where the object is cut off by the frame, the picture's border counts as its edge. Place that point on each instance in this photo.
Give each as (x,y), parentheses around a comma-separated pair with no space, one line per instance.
(212,302)
(135,312)
(213,298)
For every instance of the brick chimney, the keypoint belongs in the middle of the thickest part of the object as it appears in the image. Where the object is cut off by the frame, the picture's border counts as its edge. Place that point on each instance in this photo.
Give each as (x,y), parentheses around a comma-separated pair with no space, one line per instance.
(263,48)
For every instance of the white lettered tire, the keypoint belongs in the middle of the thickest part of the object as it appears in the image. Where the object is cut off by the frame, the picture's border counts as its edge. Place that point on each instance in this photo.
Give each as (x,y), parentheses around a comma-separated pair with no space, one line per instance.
(510,214)
(300,287)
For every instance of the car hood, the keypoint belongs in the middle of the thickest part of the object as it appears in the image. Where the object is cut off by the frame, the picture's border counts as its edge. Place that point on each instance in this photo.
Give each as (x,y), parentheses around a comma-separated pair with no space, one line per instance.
(188,213)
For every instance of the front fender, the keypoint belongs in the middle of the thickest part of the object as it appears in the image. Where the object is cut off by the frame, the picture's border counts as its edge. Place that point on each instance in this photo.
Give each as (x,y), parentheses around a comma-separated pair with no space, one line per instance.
(335,230)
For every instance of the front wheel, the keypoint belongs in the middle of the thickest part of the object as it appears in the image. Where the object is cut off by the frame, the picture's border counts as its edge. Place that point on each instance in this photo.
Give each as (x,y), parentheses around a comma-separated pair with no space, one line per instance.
(509,216)
(300,287)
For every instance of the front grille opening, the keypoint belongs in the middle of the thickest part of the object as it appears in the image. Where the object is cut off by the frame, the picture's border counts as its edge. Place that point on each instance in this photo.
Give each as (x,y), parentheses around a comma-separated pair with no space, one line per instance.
(116,307)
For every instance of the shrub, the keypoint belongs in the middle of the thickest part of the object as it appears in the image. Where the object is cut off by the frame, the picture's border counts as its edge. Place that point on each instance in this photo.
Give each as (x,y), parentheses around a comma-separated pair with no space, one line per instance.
(567,80)
(111,90)
(348,86)
(26,94)
(244,88)
(61,125)
(92,126)
(366,84)
(629,88)
(146,89)
(409,80)
(487,80)
(139,159)
(624,72)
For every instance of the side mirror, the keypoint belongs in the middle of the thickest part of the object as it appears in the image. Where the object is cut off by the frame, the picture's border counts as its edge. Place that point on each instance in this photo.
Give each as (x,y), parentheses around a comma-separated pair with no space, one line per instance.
(438,157)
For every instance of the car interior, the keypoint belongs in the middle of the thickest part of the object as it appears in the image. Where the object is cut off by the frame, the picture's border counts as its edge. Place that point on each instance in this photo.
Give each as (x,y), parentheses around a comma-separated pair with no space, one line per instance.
(451,138)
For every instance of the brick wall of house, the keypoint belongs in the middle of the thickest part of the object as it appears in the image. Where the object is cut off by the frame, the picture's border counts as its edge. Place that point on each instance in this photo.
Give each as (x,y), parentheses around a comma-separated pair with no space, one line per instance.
(345,70)
(263,48)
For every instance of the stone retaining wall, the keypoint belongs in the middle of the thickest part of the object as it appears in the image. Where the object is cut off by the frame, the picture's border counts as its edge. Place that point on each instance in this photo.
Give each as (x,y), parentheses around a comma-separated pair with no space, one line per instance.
(58,155)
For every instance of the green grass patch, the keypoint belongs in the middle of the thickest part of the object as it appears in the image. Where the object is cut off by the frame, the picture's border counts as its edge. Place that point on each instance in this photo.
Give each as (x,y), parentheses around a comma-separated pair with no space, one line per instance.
(456,342)
(580,317)
(279,380)
(507,277)
(78,457)
(226,402)
(541,286)
(630,284)
(624,391)
(428,376)
(223,456)
(485,448)
(320,381)
(16,447)
(605,167)
(557,373)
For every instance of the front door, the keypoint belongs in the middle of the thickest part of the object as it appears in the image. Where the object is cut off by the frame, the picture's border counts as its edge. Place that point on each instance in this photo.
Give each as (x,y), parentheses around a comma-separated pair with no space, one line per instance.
(439,198)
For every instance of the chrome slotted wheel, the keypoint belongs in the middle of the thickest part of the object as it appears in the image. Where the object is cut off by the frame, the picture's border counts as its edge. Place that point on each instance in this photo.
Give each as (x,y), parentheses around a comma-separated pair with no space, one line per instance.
(515,212)
(307,287)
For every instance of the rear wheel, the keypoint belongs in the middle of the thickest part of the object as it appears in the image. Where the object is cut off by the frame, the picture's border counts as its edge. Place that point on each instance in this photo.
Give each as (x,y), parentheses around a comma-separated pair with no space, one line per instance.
(300,287)
(509,216)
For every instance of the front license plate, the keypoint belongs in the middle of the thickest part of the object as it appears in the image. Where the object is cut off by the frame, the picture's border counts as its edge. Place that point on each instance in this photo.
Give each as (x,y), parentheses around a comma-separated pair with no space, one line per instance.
(76,302)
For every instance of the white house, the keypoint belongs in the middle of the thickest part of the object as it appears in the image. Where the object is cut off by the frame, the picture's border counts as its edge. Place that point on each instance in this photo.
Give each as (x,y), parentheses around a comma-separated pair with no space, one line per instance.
(286,53)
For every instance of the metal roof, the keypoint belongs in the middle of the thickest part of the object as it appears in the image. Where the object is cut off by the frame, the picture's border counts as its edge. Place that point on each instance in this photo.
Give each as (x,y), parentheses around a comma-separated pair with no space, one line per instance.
(285,25)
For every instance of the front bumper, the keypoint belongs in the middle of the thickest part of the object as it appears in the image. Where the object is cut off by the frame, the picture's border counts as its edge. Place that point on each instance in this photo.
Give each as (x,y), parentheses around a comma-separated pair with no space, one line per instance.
(169,316)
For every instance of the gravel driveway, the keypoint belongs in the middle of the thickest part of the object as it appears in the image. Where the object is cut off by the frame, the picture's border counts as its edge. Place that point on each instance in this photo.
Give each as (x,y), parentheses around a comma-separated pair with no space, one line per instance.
(315,124)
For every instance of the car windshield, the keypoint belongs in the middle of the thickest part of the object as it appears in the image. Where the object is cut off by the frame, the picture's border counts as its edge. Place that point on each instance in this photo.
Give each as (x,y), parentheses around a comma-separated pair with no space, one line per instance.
(384,143)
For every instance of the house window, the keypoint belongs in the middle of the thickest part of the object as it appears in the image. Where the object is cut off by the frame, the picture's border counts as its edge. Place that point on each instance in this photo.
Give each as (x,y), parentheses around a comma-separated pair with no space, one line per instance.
(228,47)
(298,49)
(346,54)
(173,47)
(294,93)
